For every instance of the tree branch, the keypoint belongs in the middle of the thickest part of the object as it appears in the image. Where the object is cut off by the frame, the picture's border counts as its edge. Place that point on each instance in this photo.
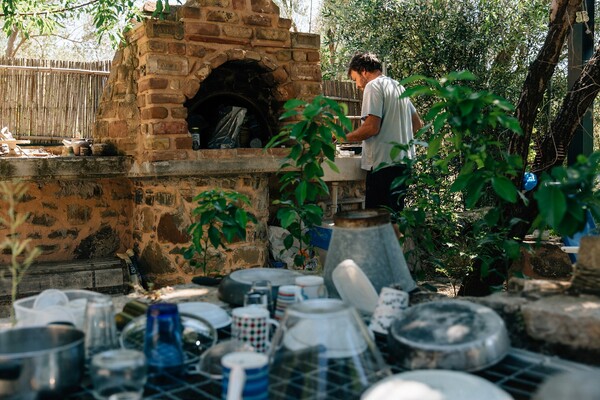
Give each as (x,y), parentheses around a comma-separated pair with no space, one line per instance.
(540,73)
(56,11)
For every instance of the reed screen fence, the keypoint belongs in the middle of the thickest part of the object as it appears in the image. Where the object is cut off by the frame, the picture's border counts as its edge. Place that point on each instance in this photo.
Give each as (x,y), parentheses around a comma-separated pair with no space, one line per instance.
(49,100)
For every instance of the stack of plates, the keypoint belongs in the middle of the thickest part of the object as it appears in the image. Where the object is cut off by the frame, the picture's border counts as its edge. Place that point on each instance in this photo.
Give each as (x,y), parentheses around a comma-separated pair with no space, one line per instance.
(214,314)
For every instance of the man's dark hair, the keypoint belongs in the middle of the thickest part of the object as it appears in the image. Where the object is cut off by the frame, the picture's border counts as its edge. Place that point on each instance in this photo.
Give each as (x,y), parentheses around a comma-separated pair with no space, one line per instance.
(364,62)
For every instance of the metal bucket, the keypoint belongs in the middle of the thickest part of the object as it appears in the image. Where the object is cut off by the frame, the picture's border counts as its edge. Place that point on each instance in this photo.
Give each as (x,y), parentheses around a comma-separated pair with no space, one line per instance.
(40,362)
(368,238)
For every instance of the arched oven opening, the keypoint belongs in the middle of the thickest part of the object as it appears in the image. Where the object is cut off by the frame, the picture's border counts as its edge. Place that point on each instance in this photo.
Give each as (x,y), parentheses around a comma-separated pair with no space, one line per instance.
(234,107)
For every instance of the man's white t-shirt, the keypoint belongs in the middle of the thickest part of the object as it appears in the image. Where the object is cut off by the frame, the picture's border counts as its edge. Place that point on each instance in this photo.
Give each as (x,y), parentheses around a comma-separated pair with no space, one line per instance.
(381,99)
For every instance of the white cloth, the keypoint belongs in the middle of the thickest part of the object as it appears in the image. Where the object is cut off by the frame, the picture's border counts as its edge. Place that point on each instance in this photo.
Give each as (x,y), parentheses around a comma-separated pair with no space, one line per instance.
(381,99)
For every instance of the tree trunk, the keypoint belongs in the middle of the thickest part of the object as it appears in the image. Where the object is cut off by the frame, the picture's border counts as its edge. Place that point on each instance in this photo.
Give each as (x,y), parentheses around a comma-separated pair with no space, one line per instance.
(562,129)
(540,73)
(11,47)
(575,104)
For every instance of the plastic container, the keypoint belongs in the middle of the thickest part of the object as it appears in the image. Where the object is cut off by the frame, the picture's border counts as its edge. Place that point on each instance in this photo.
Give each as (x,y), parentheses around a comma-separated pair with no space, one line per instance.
(320,236)
(74,312)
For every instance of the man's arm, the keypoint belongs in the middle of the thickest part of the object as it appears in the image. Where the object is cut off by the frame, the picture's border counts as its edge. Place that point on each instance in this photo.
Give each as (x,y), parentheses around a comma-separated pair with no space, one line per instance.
(417,122)
(367,129)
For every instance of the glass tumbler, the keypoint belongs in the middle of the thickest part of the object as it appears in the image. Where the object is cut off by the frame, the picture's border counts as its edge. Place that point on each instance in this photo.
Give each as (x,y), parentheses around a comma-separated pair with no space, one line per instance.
(118,374)
(255,299)
(100,327)
(264,288)
(163,339)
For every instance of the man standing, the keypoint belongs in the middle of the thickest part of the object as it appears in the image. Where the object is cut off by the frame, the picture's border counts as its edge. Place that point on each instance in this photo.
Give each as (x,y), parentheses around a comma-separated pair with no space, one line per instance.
(385,119)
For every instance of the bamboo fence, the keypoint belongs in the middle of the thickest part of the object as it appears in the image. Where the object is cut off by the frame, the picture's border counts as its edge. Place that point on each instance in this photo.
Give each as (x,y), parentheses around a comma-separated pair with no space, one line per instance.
(48,100)
(345,92)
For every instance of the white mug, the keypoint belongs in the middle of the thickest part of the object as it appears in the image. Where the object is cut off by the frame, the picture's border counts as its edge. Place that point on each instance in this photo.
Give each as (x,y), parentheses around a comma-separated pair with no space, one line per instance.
(245,375)
(251,325)
(287,295)
(313,287)
(390,304)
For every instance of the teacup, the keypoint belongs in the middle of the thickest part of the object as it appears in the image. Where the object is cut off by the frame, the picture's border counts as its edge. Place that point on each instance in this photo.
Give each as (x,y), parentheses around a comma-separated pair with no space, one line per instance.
(251,325)
(390,304)
(245,376)
(287,295)
(313,287)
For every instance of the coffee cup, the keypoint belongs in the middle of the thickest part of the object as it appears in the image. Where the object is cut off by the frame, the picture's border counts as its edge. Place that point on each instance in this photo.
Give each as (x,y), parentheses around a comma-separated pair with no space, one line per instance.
(245,376)
(251,325)
(313,287)
(390,304)
(286,296)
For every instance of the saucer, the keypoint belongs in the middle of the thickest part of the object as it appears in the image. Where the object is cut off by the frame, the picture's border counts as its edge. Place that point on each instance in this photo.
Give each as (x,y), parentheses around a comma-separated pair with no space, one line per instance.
(214,314)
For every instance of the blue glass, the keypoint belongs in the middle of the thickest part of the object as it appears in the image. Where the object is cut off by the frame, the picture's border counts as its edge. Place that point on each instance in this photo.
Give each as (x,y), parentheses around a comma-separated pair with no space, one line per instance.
(163,344)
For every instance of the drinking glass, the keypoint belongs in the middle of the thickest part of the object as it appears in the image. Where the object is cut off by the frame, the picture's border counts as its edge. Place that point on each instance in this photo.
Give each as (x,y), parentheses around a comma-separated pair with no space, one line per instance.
(118,374)
(265,288)
(100,327)
(163,341)
(256,299)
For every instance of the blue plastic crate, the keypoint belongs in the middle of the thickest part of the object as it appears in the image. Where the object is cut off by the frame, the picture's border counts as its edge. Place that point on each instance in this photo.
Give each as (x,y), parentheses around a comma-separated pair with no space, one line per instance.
(320,236)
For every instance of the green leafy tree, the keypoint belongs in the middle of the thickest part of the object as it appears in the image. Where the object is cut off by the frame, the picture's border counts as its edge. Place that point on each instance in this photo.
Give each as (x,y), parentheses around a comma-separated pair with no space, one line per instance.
(310,136)
(463,166)
(496,40)
(24,19)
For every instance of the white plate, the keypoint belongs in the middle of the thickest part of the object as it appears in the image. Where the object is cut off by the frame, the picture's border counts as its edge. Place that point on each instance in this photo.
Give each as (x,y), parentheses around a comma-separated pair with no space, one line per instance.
(453,385)
(214,314)
(354,287)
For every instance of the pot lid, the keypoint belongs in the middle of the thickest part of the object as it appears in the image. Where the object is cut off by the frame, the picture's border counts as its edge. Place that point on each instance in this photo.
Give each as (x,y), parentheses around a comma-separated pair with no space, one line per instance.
(361,218)
(276,276)
(446,324)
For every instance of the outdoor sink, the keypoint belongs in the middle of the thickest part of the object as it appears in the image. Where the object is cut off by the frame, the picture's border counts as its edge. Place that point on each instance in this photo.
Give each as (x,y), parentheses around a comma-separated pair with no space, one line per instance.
(349,170)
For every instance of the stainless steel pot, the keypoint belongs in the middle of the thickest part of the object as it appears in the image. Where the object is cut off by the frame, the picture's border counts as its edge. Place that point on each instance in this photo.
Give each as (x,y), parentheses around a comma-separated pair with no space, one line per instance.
(450,334)
(40,362)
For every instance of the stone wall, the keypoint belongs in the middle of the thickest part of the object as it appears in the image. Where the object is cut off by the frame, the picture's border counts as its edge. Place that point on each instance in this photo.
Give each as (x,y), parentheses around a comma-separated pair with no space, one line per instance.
(163,212)
(76,219)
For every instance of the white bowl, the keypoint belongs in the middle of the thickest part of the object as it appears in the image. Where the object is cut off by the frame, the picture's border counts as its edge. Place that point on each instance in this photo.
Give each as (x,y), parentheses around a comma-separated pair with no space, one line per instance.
(453,385)
(73,311)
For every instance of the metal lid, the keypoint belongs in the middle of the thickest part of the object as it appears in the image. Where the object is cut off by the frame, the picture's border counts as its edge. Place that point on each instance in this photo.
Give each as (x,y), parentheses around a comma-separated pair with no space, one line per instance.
(361,218)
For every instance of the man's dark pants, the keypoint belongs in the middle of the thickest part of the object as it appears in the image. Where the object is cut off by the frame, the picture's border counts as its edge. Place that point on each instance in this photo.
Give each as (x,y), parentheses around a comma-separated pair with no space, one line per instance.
(378,192)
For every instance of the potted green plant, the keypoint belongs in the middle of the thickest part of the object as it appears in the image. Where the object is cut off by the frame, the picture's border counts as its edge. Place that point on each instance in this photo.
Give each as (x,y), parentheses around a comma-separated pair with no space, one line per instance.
(219,218)
(311,136)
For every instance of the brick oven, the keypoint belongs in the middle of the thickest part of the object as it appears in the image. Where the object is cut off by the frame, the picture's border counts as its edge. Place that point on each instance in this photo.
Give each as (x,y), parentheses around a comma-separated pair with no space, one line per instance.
(188,70)
(206,58)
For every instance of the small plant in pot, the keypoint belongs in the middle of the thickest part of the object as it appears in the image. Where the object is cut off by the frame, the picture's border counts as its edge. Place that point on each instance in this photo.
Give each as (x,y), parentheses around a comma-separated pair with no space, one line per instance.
(220,217)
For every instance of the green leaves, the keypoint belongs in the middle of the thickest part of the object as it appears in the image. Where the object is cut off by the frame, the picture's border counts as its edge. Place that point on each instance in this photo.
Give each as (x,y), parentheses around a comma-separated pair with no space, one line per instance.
(567,193)
(220,218)
(310,135)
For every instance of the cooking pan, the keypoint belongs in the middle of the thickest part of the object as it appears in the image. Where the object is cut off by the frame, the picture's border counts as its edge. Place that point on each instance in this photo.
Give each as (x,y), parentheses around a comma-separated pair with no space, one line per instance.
(235,285)
(40,362)
(449,334)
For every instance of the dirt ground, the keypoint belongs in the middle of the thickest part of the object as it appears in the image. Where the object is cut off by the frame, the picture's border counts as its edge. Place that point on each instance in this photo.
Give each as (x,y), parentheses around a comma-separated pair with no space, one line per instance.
(440,285)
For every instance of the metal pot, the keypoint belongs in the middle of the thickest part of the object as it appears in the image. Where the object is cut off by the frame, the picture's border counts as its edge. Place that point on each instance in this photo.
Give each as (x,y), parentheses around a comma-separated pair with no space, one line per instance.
(40,362)
(450,334)
(235,285)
